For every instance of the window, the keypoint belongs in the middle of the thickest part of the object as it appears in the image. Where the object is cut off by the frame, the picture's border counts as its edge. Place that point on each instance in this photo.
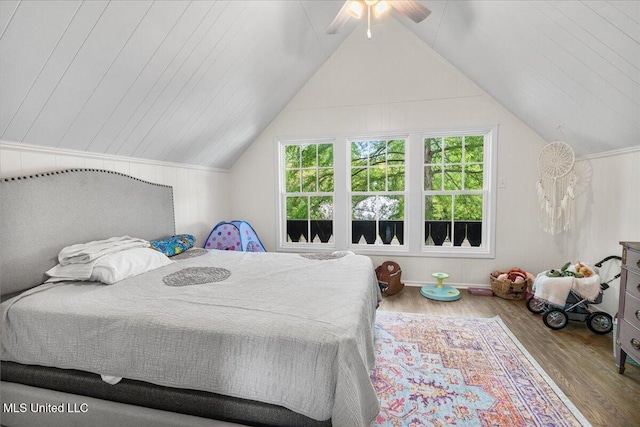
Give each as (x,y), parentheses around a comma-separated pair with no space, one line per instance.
(456,192)
(415,194)
(308,192)
(377,196)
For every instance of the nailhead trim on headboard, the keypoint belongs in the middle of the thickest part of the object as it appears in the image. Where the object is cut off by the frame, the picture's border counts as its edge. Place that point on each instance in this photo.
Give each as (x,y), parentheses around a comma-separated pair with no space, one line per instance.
(36,175)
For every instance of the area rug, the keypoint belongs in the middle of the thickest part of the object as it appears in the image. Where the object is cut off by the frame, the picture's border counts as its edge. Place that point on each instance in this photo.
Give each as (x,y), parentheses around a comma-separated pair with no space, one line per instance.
(457,371)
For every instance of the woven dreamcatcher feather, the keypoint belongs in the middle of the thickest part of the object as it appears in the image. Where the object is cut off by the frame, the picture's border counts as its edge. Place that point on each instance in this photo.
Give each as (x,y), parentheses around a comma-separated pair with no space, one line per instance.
(555,187)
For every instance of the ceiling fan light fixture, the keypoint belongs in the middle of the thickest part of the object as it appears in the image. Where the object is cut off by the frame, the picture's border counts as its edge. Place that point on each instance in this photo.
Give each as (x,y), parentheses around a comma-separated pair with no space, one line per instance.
(355,9)
(412,9)
(380,8)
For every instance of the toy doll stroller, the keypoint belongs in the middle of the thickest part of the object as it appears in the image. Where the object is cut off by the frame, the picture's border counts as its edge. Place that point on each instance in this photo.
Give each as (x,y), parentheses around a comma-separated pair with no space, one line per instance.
(576,308)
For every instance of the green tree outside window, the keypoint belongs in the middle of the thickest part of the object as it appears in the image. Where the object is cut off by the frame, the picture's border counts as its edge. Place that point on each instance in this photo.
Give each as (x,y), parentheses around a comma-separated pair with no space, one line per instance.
(453,181)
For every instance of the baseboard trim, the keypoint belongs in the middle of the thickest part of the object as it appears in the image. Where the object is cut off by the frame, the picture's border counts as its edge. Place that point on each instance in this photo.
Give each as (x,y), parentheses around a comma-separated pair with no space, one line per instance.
(455,285)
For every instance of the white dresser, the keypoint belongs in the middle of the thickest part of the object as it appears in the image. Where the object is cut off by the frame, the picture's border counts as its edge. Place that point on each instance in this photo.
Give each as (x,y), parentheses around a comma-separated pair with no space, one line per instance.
(628,339)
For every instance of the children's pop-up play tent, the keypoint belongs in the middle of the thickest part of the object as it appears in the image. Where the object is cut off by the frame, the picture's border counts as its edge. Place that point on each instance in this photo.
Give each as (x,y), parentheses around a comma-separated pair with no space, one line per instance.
(234,236)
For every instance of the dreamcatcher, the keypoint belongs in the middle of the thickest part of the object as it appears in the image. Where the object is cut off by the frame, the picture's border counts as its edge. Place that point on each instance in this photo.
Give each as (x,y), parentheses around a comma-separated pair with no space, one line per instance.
(555,186)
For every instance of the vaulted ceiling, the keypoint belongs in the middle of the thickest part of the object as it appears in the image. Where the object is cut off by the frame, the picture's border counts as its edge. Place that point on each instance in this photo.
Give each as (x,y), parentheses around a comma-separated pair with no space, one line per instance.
(197,81)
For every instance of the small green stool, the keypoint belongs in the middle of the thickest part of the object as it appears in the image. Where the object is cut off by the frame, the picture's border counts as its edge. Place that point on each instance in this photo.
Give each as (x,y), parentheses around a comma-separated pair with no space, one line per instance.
(440,292)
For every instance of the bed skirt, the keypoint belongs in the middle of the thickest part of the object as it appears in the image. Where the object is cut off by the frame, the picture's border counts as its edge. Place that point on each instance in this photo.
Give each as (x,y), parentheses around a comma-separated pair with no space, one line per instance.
(87,411)
(139,393)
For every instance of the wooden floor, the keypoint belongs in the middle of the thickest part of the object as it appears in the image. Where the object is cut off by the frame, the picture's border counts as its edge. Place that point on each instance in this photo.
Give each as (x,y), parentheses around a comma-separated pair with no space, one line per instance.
(580,362)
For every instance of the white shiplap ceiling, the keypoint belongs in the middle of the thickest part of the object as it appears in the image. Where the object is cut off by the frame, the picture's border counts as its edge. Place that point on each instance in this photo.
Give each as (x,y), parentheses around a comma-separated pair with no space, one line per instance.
(183,81)
(197,81)
(569,69)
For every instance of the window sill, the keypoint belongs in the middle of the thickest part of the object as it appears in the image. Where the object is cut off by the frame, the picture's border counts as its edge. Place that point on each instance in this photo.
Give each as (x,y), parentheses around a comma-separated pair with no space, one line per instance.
(472,253)
(422,254)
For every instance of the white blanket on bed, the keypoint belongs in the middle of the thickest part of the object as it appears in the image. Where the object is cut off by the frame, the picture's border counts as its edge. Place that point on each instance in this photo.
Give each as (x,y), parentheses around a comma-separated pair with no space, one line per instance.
(71,271)
(280,329)
(76,262)
(87,252)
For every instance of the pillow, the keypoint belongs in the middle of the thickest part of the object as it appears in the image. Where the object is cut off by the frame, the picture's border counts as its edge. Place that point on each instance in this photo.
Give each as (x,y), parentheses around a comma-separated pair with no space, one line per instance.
(112,268)
(174,245)
(122,265)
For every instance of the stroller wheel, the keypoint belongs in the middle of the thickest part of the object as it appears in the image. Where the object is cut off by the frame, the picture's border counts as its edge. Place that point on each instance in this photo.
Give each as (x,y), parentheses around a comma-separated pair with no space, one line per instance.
(600,323)
(555,319)
(535,305)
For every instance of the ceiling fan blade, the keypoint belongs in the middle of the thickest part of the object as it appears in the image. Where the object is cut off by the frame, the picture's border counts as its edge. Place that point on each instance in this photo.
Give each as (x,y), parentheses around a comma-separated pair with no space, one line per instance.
(412,9)
(340,20)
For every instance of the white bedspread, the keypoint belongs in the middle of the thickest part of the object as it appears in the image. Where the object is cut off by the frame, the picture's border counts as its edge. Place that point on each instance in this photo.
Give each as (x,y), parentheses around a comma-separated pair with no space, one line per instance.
(280,329)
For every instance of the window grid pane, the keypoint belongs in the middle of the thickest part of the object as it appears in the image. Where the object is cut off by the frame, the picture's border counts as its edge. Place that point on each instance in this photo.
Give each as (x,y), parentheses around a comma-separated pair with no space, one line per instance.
(378,181)
(453,190)
(309,198)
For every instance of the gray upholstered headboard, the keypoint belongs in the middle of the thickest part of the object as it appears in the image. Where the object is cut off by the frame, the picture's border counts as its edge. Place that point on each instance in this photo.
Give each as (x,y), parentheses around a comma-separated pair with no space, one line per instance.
(41,214)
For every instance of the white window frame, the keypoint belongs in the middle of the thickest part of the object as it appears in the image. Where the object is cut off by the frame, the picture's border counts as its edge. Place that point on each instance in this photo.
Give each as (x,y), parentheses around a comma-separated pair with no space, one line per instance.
(375,248)
(281,211)
(487,250)
(414,193)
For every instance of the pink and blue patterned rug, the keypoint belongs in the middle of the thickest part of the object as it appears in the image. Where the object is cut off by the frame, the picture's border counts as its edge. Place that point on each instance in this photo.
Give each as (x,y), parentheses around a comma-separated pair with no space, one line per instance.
(457,371)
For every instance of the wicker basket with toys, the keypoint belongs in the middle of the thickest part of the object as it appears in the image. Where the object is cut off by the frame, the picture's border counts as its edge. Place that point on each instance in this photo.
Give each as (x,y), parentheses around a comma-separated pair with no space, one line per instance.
(513,284)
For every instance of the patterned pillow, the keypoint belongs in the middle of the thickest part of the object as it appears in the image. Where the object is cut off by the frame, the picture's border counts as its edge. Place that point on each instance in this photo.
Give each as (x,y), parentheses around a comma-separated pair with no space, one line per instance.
(174,245)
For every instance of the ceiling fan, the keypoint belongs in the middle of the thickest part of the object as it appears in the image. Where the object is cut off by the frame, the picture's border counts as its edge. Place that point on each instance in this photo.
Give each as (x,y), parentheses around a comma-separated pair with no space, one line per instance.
(356,8)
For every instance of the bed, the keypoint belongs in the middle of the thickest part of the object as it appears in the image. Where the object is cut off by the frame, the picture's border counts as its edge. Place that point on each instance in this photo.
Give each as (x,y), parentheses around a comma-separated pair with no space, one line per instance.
(248,338)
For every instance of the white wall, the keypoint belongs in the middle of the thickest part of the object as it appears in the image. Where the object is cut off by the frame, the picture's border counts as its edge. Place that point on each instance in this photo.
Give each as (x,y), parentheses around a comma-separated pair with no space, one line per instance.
(607,207)
(200,194)
(396,82)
